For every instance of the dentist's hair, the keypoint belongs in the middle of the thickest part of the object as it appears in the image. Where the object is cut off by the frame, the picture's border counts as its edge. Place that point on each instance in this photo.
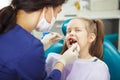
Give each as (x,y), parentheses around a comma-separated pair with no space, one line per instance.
(8,14)
(96,27)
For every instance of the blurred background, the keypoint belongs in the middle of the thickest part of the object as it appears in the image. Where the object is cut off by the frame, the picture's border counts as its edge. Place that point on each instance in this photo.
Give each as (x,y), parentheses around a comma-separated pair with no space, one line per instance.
(107,10)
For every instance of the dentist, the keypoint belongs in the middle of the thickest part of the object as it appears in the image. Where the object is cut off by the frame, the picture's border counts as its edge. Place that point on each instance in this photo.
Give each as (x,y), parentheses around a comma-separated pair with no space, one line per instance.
(21,54)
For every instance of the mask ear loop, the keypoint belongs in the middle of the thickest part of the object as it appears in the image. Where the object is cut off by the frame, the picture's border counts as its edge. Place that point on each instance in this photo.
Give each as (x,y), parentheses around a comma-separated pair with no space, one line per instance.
(41,19)
(53,13)
(43,14)
(53,18)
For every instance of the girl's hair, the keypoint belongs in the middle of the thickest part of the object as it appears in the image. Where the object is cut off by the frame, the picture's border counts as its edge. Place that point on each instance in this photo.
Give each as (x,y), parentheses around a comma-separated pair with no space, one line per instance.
(8,14)
(96,27)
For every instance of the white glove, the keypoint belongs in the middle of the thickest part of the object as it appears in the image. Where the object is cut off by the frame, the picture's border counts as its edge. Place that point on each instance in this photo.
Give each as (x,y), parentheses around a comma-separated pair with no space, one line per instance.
(50,39)
(70,55)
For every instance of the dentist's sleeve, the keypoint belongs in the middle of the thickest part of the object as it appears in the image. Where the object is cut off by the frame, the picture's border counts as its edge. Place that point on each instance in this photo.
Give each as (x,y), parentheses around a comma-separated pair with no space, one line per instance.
(54,75)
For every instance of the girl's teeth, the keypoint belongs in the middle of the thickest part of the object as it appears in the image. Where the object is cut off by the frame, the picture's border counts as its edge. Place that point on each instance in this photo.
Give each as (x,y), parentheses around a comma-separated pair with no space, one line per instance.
(71,41)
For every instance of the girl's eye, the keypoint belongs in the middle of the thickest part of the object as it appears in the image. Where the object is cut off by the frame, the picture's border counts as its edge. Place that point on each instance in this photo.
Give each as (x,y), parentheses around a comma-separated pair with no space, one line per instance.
(78,30)
(68,31)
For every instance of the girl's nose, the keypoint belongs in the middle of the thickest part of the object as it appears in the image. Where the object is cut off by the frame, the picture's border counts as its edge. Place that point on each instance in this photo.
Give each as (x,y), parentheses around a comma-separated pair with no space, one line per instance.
(72,33)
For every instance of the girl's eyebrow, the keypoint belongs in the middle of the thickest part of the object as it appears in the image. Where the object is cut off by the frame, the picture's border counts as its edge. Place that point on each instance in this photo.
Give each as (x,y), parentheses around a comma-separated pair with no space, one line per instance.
(74,27)
(78,27)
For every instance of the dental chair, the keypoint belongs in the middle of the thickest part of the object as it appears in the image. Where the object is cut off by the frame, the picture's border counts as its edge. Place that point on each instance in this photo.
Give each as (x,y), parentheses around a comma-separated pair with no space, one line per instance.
(55,48)
(111,55)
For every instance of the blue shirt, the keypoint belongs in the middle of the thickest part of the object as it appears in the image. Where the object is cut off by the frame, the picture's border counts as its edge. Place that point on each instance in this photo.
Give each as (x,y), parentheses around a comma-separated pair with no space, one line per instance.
(22,57)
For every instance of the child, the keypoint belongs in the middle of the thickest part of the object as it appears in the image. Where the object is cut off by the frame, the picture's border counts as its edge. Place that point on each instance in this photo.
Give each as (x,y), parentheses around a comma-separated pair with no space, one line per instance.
(88,34)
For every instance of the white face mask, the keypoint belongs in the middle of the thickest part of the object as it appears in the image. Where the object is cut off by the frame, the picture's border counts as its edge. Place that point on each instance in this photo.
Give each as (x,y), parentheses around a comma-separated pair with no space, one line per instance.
(43,25)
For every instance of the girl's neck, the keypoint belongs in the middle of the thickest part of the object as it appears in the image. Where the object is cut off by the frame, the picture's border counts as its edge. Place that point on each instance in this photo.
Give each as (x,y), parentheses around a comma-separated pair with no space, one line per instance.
(84,55)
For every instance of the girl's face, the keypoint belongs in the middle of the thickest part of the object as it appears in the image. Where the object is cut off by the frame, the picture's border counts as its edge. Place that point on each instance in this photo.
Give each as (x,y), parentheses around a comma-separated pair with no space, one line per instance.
(76,32)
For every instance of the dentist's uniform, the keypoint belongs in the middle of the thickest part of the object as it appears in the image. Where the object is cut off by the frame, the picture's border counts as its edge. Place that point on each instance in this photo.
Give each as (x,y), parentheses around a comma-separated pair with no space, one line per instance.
(22,57)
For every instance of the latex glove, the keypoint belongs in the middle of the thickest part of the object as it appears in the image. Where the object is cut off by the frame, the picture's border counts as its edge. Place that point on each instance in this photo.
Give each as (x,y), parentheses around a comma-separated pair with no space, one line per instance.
(50,39)
(70,55)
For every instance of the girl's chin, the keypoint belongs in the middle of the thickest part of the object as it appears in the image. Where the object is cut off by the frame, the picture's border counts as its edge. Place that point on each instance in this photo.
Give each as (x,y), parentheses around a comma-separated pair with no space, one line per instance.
(69,46)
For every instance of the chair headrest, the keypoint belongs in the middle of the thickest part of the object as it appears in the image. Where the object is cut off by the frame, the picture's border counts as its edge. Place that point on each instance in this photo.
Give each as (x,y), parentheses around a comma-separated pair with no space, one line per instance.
(64,25)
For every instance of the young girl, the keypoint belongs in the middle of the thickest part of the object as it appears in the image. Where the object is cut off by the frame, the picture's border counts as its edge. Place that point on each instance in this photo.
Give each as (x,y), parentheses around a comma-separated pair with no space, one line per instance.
(89,35)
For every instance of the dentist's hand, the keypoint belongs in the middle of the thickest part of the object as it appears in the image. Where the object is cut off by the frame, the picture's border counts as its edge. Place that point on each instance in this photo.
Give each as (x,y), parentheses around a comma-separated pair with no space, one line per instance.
(70,55)
(50,39)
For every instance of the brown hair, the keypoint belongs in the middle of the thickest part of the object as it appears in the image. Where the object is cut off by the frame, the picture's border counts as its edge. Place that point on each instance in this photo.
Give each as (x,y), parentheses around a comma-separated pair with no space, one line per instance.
(96,27)
(8,14)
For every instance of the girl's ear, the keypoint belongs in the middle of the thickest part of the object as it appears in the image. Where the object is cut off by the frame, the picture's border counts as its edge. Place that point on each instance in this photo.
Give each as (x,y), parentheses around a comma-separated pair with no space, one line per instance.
(91,37)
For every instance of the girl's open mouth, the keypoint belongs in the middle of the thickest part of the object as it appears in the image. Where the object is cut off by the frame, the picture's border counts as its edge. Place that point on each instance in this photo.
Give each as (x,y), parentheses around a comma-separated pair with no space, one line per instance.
(72,41)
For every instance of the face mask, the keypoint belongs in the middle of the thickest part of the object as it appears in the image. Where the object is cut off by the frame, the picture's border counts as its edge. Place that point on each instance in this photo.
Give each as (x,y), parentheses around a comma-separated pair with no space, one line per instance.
(43,25)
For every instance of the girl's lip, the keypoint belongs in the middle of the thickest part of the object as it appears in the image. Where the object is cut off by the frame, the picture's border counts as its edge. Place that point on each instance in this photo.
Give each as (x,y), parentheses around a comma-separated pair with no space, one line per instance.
(72,41)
